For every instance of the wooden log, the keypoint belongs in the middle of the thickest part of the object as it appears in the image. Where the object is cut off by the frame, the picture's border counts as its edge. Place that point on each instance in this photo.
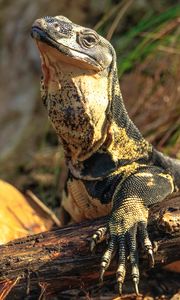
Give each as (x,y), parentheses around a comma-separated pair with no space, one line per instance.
(60,259)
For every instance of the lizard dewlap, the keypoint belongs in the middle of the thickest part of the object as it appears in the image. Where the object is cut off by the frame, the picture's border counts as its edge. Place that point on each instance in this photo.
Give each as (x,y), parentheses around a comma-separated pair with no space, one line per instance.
(113,170)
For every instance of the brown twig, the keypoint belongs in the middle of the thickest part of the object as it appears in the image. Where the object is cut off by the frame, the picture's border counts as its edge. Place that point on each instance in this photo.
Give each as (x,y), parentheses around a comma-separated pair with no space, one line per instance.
(169,50)
(108,15)
(125,5)
(7,287)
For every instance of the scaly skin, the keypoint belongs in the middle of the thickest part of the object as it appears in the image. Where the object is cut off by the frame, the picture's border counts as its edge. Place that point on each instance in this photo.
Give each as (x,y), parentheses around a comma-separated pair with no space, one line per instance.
(113,170)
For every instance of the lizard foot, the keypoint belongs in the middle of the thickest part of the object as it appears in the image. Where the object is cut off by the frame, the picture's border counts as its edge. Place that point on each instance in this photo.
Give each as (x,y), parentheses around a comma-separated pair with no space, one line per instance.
(125,243)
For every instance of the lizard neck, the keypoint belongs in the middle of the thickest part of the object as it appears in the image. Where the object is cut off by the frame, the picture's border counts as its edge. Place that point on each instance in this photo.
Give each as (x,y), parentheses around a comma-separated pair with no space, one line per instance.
(124,143)
(118,113)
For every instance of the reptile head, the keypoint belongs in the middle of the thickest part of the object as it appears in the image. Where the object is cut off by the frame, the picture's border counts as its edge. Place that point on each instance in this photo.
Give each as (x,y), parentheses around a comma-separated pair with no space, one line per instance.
(80,46)
(79,77)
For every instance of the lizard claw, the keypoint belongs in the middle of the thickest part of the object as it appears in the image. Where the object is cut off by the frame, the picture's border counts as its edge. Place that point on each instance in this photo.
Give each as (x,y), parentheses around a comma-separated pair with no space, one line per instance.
(136,282)
(101,274)
(92,245)
(120,288)
(120,280)
(151,257)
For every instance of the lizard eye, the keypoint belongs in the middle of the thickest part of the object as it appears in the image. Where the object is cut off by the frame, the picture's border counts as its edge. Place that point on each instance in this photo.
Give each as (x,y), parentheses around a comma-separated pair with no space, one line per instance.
(87,39)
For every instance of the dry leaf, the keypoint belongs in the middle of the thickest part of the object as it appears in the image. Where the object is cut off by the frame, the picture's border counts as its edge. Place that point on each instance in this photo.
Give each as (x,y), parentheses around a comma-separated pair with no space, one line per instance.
(18,217)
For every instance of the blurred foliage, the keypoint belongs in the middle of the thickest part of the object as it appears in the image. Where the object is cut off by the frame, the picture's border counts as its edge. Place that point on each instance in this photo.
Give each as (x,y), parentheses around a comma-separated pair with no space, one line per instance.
(161,30)
(153,30)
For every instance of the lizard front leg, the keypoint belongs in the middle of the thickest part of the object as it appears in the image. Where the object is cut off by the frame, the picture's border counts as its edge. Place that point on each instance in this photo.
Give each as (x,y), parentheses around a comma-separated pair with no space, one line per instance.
(129,217)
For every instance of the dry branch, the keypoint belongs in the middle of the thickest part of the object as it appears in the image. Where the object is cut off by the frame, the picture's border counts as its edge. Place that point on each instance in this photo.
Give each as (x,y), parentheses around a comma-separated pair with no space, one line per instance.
(59,260)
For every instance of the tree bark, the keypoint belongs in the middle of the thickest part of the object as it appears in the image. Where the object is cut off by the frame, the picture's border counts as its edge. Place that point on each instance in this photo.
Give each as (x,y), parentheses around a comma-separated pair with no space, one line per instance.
(60,259)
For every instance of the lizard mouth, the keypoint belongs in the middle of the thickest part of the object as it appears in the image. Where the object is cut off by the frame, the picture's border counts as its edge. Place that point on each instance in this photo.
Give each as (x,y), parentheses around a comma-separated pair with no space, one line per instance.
(71,56)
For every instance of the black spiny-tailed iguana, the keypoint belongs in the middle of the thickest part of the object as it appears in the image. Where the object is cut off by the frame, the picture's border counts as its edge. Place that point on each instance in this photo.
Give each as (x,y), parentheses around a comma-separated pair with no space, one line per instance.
(113,170)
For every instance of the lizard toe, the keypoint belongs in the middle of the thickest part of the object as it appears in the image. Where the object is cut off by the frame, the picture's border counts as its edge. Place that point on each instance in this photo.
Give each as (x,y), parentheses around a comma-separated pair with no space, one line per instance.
(121,271)
(143,235)
(133,255)
(98,237)
(106,258)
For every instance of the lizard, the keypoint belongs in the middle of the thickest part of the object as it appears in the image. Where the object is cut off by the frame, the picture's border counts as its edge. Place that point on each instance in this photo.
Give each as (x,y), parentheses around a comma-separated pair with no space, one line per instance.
(113,170)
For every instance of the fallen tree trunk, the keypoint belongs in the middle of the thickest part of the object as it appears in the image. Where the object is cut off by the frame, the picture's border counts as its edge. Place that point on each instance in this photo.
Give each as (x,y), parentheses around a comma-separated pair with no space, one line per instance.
(59,260)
